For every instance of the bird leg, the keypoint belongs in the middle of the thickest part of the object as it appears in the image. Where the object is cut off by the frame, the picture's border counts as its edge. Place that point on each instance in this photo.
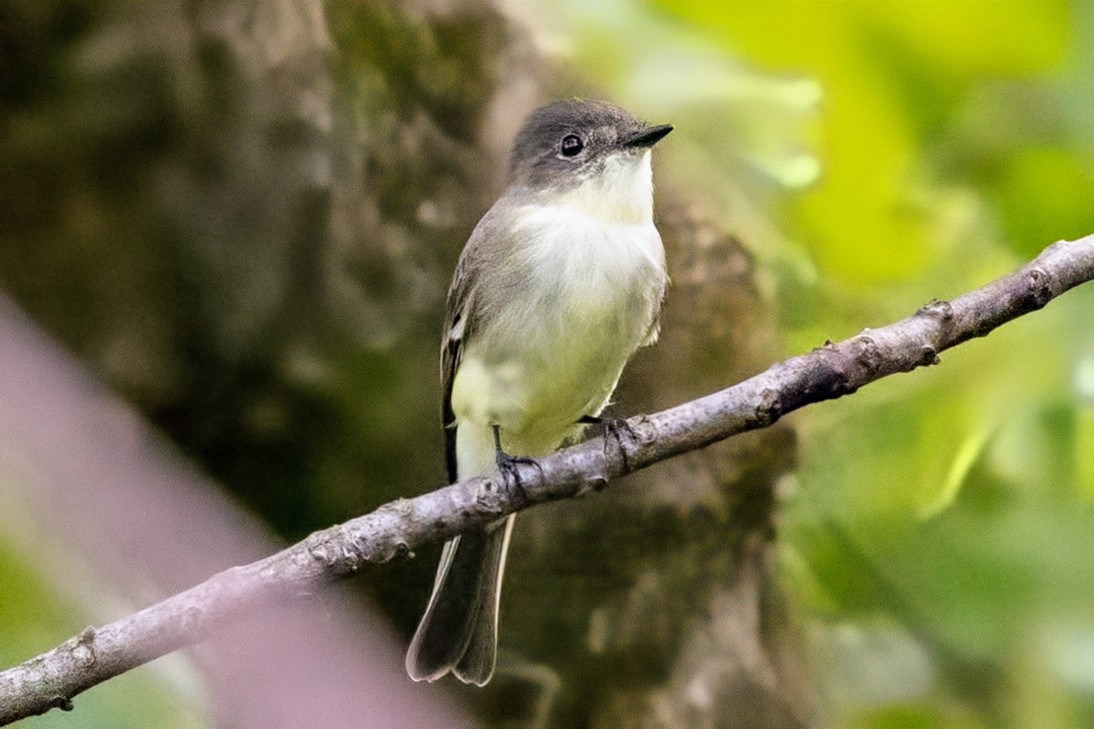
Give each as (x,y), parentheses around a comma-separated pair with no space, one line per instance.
(507,466)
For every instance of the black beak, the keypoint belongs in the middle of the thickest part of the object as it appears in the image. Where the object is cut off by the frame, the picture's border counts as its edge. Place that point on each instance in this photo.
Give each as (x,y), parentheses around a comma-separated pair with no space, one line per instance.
(647,137)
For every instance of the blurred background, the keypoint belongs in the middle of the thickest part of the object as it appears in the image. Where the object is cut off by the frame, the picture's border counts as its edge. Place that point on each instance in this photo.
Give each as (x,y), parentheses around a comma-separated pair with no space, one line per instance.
(226,232)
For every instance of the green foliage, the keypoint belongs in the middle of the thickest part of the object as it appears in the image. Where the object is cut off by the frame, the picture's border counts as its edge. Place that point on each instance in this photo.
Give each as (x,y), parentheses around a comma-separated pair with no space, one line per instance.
(941,523)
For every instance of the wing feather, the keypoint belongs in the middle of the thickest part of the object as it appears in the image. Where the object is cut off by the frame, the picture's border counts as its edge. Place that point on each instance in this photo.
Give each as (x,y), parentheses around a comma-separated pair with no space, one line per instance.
(457,327)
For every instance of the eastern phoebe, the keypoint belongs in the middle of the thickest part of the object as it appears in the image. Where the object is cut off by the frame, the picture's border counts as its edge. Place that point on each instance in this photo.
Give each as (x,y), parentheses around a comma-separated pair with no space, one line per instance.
(559,284)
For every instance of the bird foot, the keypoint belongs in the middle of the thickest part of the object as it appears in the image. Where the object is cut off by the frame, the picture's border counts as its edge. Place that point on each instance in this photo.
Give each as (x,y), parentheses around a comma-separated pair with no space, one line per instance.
(509,467)
(614,429)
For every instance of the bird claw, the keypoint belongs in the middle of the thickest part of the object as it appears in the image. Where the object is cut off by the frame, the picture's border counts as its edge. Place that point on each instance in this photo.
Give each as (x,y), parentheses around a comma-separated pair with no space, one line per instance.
(509,468)
(615,429)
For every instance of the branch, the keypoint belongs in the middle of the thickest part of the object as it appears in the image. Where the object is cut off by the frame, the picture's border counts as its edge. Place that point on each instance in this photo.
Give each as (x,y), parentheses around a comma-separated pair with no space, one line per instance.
(394,530)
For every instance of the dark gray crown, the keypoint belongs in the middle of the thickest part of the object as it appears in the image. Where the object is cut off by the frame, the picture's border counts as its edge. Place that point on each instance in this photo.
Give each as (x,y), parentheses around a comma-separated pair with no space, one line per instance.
(538,159)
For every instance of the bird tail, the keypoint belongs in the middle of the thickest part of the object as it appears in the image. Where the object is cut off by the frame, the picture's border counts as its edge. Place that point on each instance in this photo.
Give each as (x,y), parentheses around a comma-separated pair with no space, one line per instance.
(458,632)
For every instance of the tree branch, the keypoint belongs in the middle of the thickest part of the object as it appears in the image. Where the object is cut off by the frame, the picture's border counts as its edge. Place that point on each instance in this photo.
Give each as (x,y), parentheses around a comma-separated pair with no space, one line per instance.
(394,530)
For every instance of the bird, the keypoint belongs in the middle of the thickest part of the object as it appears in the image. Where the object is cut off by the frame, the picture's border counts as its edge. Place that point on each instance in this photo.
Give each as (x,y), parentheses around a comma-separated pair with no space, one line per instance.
(560,282)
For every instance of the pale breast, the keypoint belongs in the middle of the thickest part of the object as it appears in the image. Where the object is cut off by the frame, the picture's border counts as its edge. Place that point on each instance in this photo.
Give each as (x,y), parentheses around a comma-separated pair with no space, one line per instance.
(588,296)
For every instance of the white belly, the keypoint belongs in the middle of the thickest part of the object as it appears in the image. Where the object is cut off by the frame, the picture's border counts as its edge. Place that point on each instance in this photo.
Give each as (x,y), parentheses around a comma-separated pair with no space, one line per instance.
(556,352)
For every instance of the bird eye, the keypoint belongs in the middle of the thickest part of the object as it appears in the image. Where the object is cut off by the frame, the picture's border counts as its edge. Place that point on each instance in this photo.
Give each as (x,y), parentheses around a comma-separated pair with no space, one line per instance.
(571,145)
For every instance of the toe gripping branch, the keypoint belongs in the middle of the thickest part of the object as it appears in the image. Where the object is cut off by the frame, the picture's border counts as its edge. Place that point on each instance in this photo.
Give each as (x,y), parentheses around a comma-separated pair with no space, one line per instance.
(614,429)
(508,467)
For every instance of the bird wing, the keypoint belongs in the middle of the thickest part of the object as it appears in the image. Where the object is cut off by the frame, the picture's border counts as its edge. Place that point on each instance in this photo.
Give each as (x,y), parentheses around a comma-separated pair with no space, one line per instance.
(455,330)
(491,241)
(459,325)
